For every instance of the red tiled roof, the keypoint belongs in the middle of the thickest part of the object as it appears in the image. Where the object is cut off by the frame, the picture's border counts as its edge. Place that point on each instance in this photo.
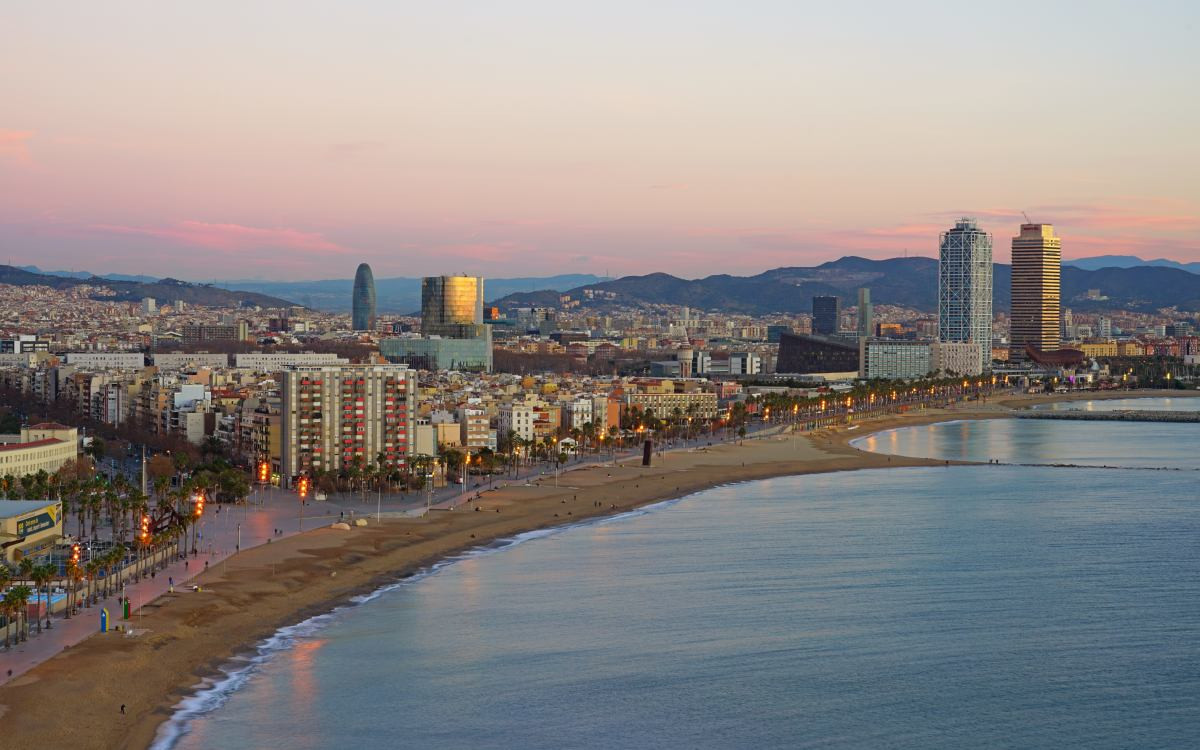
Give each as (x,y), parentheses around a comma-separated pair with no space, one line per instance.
(34,444)
(49,426)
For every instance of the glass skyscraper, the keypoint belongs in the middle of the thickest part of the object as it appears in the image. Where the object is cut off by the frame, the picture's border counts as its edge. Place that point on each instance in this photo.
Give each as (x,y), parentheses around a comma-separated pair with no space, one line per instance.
(965,287)
(452,306)
(827,313)
(362,314)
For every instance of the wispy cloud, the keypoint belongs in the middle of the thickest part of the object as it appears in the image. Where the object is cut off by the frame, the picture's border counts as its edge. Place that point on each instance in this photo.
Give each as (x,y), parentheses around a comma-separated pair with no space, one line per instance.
(230,237)
(14,146)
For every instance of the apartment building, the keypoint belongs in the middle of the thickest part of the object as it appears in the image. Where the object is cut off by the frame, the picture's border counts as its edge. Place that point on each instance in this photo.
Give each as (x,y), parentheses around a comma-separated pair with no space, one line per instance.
(338,416)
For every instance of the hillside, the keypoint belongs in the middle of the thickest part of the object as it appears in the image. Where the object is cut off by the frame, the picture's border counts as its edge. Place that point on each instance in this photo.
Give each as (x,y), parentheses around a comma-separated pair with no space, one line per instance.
(164,291)
(1097,262)
(395,295)
(910,282)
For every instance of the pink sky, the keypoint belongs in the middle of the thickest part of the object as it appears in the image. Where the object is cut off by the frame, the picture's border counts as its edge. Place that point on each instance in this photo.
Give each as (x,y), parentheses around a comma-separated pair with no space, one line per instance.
(280,140)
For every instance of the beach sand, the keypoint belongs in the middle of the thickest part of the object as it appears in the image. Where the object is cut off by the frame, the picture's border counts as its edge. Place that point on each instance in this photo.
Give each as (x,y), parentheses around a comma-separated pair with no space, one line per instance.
(74,699)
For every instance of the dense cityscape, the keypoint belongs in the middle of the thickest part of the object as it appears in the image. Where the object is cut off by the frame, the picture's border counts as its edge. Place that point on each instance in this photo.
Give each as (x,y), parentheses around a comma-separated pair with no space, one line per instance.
(568,375)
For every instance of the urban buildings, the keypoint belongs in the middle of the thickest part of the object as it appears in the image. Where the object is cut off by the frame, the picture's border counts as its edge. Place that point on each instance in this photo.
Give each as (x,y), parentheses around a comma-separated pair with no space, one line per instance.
(826,313)
(866,314)
(907,359)
(436,353)
(965,287)
(194,334)
(454,336)
(1036,271)
(811,355)
(362,316)
(341,416)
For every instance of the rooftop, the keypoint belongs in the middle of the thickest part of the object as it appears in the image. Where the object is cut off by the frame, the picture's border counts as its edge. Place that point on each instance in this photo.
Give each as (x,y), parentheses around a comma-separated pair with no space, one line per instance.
(34,444)
(10,508)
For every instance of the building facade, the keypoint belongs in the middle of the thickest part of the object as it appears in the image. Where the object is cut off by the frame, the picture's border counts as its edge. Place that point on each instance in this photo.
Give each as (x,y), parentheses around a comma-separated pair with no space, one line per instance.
(41,447)
(807,355)
(826,313)
(339,416)
(965,287)
(866,314)
(1036,289)
(452,306)
(437,353)
(362,316)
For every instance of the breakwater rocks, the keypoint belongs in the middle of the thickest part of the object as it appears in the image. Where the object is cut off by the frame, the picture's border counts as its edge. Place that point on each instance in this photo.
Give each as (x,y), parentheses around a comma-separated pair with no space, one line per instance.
(1124,415)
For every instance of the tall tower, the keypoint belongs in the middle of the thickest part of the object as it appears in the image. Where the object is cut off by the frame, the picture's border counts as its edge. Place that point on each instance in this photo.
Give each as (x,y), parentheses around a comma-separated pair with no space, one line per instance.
(452,306)
(965,287)
(866,314)
(1036,295)
(826,312)
(362,316)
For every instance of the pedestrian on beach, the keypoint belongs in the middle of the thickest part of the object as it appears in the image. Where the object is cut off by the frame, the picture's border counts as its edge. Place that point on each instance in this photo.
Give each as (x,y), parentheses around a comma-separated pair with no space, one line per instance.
(122,709)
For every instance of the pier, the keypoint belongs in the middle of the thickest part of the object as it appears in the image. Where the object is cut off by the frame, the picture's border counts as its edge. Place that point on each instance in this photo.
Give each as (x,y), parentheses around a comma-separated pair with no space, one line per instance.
(1124,415)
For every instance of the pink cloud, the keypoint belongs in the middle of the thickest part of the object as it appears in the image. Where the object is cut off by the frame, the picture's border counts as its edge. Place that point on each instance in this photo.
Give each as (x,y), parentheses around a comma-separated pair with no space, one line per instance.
(14,146)
(231,237)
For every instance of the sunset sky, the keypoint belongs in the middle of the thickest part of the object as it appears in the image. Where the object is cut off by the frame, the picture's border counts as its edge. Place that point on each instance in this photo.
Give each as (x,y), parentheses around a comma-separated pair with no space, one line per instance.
(292,140)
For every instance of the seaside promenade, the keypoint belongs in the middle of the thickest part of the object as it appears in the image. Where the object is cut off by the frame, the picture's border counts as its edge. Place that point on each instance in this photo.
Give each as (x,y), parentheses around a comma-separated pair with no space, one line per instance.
(184,637)
(269,515)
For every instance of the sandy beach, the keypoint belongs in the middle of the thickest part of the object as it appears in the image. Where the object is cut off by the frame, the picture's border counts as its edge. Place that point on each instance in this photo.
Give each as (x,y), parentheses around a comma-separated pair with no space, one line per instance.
(74,699)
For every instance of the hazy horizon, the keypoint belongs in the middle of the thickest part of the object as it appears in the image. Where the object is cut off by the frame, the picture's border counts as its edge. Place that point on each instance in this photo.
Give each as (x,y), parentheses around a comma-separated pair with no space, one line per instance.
(289,141)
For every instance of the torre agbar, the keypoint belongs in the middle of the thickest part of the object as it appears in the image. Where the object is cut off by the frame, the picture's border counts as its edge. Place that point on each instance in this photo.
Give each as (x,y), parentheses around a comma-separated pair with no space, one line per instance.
(1036,296)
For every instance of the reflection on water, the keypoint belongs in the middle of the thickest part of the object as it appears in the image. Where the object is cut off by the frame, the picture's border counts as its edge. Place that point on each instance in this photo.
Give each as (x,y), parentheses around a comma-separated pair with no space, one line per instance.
(979,606)
(1027,441)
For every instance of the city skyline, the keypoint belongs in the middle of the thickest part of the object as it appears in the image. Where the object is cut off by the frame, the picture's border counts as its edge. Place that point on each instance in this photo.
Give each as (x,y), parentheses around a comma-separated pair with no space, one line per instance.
(815,133)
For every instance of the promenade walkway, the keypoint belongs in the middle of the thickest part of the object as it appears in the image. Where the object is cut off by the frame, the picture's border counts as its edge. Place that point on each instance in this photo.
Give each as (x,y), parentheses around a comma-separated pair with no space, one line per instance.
(271,513)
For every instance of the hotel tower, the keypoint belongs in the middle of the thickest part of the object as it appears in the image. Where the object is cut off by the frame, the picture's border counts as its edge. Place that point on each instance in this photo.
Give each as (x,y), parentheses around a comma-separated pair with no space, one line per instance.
(965,287)
(1036,272)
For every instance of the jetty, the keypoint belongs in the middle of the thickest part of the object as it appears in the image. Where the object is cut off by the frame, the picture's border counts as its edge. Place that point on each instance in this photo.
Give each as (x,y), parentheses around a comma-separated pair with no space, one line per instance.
(1121,415)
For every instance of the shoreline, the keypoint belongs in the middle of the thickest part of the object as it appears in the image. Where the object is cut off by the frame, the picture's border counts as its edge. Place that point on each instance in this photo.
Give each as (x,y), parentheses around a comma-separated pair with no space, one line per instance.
(185,638)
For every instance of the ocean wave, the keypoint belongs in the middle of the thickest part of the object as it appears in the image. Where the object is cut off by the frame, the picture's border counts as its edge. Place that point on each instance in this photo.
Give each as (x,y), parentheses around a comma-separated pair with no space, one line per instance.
(212,693)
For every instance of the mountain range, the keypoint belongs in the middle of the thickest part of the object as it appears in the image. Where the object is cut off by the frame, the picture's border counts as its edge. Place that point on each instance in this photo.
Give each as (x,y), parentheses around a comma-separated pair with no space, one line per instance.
(1122,282)
(400,294)
(908,282)
(1097,262)
(164,291)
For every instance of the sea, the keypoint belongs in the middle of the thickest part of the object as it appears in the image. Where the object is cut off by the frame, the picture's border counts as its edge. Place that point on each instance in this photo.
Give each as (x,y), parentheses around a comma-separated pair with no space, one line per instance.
(1048,601)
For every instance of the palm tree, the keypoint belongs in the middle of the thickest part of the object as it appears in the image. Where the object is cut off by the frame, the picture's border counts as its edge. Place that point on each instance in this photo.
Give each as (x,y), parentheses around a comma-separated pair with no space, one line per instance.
(90,569)
(74,576)
(5,578)
(42,576)
(20,599)
(8,606)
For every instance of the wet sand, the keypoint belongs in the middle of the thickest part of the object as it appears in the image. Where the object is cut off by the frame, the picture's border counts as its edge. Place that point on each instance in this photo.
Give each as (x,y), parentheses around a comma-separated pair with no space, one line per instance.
(74,699)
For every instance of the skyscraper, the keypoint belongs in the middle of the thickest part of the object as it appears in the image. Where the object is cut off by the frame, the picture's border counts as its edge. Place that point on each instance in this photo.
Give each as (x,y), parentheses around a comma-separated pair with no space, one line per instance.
(362,315)
(965,287)
(866,314)
(826,311)
(452,306)
(1036,271)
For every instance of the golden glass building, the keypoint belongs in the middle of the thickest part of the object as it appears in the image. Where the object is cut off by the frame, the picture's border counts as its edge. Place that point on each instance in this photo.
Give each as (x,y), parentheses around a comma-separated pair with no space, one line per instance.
(1036,289)
(452,306)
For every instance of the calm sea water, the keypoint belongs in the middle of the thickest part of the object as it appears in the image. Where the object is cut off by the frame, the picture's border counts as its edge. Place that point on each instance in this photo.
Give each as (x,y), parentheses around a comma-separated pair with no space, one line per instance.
(990,606)
(1131,444)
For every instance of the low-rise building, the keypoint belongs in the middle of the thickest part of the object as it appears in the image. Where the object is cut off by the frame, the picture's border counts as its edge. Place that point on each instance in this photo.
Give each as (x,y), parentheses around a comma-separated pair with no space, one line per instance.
(41,447)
